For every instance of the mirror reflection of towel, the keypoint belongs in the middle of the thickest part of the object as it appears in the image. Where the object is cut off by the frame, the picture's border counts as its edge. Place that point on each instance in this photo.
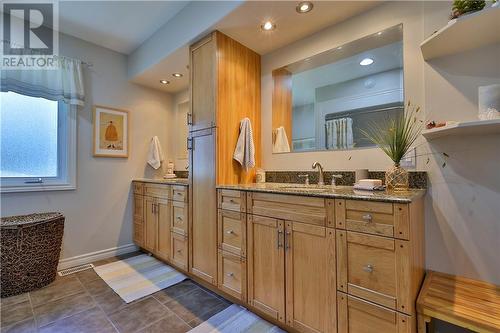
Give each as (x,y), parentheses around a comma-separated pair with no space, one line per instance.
(281,141)
(155,155)
(339,133)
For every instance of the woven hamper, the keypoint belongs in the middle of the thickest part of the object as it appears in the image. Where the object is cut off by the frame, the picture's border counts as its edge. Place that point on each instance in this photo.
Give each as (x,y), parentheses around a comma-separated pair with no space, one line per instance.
(30,246)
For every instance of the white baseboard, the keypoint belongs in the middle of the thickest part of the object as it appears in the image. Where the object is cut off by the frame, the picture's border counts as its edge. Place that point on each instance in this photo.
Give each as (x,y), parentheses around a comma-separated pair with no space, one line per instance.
(95,256)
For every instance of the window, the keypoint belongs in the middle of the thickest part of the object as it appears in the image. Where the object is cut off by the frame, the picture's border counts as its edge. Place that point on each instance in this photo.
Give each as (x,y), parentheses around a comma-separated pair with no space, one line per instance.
(37,144)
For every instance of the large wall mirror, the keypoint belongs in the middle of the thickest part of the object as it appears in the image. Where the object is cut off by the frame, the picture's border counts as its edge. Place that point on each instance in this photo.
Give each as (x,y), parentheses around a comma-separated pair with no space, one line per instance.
(325,101)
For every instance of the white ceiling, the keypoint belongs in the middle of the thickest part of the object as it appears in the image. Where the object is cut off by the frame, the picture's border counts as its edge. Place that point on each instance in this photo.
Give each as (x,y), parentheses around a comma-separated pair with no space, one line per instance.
(124,25)
(243,24)
(121,26)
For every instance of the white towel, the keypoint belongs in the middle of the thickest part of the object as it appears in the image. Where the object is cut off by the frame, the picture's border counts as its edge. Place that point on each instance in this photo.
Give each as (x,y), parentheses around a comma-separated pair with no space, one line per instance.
(244,152)
(281,141)
(155,155)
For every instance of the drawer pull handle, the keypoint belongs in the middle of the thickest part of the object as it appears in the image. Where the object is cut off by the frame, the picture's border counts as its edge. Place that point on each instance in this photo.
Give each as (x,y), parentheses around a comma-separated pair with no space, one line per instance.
(278,239)
(179,251)
(179,218)
(368,217)
(368,268)
(230,232)
(230,274)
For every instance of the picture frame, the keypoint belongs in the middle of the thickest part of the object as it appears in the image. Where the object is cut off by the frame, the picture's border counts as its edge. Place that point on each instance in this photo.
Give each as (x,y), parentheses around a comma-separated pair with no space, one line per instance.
(110,132)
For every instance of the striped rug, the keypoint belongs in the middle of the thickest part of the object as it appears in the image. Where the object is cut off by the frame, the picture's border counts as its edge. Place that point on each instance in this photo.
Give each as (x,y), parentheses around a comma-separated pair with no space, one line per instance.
(138,276)
(236,319)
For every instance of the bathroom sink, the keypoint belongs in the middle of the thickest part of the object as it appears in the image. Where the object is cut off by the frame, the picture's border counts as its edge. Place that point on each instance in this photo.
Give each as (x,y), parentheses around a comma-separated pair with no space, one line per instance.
(305,188)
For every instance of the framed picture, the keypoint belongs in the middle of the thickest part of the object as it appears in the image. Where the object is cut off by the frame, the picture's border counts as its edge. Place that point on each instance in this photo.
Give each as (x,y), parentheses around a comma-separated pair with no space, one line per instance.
(110,132)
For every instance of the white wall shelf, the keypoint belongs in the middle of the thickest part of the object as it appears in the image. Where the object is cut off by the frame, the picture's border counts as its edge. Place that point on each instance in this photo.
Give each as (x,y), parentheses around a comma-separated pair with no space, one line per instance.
(467,32)
(464,128)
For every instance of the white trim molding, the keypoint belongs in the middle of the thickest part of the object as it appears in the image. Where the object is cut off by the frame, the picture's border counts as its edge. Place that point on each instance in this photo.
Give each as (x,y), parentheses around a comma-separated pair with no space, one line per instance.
(88,258)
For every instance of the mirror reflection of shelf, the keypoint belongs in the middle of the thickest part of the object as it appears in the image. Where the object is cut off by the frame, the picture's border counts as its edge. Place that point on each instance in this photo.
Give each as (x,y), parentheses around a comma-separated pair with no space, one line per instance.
(467,32)
(475,127)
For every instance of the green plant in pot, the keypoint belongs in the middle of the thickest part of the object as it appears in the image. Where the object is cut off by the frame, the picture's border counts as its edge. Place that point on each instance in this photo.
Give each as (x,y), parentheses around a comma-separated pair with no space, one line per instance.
(395,136)
(461,7)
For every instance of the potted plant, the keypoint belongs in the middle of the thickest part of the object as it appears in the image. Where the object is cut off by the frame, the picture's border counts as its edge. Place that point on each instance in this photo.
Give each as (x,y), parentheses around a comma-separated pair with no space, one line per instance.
(395,136)
(461,7)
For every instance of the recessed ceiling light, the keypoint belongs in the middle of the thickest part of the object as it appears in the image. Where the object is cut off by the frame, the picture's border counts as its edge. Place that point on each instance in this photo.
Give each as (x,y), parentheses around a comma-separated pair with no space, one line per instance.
(339,48)
(177,75)
(379,33)
(304,7)
(366,62)
(268,26)
(164,82)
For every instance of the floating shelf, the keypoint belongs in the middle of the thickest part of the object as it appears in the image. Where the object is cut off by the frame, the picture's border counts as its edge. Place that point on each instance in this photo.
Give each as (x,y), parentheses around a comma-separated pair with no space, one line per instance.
(467,32)
(464,128)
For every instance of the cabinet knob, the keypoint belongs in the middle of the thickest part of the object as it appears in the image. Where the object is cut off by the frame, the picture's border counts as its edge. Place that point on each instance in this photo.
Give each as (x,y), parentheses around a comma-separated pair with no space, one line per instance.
(179,218)
(230,274)
(368,217)
(232,201)
(230,232)
(179,251)
(368,268)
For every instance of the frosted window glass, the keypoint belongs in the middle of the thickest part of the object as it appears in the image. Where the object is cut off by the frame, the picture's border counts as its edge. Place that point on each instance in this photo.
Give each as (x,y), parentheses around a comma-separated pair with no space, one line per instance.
(28,136)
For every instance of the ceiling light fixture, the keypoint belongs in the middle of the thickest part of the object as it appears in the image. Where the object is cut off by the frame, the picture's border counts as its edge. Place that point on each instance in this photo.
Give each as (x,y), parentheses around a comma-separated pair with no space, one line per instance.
(379,33)
(304,7)
(366,62)
(164,82)
(268,26)
(177,75)
(339,48)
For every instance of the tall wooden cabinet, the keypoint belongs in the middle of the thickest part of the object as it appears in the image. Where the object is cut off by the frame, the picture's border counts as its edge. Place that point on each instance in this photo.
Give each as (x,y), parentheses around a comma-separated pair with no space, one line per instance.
(224,89)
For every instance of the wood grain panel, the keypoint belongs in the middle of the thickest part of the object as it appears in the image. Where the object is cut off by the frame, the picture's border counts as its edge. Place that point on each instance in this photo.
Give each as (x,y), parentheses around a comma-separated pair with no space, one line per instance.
(282,102)
(266,266)
(310,277)
(164,216)
(238,96)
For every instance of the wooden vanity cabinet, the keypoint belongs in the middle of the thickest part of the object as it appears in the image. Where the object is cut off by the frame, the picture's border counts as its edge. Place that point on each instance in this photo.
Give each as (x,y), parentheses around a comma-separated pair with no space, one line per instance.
(291,271)
(161,221)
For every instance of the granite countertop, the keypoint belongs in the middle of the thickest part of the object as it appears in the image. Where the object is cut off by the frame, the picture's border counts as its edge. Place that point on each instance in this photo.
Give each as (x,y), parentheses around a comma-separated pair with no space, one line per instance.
(326,191)
(170,181)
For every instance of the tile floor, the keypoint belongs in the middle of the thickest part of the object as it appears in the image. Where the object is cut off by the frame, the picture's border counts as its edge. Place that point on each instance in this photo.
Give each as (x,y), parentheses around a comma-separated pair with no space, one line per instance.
(83,302)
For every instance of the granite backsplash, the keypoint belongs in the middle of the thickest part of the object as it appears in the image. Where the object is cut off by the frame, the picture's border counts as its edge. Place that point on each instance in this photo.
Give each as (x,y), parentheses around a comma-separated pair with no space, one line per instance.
(417,179)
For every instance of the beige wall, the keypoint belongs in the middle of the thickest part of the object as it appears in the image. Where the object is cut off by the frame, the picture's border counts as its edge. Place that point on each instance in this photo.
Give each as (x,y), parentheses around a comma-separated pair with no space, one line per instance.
(99,213)
(462,210)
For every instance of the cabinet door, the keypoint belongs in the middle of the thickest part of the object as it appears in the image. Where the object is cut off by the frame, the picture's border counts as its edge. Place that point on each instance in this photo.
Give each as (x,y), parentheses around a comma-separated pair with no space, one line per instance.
(203,69)
(310,277)
(203,207)
(266,266)
(139,220)
(164,215)
(150,224)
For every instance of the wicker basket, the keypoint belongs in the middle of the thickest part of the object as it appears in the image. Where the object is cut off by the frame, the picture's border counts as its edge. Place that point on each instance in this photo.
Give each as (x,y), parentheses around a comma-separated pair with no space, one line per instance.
(30,246)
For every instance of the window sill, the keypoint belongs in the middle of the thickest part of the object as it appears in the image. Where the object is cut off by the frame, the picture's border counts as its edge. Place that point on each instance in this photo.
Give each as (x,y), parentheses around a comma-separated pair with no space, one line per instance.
(37,188)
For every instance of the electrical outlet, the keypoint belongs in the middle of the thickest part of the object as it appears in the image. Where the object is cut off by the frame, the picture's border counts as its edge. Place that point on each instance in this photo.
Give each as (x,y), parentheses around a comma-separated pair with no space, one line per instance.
(410,159)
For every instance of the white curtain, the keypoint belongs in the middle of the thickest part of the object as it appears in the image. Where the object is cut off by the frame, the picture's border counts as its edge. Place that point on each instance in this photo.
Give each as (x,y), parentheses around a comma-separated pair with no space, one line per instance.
(339,133)
(64,83)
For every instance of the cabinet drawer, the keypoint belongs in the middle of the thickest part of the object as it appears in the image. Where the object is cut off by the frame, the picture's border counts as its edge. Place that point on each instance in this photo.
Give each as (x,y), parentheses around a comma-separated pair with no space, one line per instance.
(232,275)
(179,193)
(232,232)
(358,316)
(157,190)
(138,188)
(232,200)
(139,233)
(138,206)
(374,268)
(378,218)
(288,207)
(179,250)
(179,217)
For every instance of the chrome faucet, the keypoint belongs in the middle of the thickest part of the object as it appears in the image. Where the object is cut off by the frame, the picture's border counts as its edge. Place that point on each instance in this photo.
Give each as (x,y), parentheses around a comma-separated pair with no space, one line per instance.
(321,180)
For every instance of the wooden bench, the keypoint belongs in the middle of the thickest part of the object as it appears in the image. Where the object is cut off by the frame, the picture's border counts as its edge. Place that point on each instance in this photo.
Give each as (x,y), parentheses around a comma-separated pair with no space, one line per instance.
(467,303)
